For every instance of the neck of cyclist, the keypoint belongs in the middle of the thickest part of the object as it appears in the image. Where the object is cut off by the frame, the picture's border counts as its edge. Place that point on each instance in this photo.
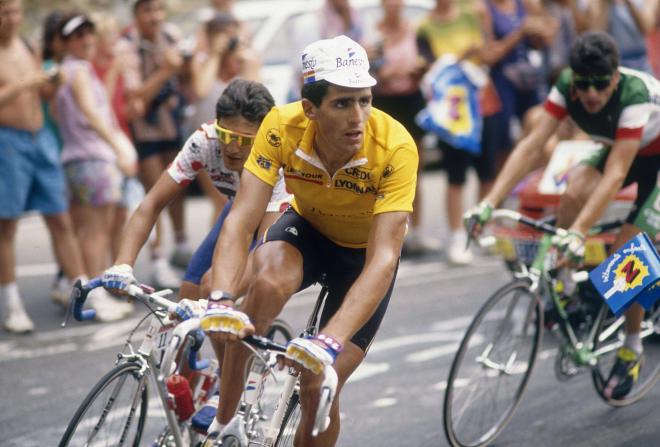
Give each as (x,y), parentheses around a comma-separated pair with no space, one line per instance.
(332,157)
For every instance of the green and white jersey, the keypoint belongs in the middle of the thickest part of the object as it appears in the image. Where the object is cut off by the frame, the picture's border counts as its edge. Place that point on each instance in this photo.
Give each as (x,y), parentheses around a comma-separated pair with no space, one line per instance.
(633,111)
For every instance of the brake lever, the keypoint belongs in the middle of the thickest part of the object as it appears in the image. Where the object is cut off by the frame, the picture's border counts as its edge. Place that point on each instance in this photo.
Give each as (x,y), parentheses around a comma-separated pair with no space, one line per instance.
(75,294)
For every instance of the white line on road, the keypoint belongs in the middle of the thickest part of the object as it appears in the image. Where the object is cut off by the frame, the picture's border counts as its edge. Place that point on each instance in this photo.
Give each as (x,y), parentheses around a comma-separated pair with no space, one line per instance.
(19,353)
(384,402)
(367,369)
(46,269)
(433,353)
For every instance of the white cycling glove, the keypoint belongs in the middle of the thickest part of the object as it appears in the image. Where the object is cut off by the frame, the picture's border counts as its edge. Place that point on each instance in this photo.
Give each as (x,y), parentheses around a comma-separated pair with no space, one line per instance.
(186,309)
(118,277)
(479,214)
(571,245)
(221,318)
(309,354)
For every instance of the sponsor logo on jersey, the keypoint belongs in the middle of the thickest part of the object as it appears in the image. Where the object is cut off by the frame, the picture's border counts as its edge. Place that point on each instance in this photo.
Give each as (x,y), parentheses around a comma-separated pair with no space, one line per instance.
(273,137)
(296,174)
(359,188)
(358,173)
(264,162)
(389,169)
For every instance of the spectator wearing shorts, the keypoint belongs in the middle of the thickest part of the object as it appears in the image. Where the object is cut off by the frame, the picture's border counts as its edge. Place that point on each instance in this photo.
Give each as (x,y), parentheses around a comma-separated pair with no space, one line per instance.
(454,29)
(31,176)
(152,63)
(108,68)
(96,155)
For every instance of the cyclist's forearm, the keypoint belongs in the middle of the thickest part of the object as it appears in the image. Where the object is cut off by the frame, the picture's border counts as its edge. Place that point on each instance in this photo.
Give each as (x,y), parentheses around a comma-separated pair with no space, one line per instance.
(521,161)
(230,259)
(362,299)
(136,233)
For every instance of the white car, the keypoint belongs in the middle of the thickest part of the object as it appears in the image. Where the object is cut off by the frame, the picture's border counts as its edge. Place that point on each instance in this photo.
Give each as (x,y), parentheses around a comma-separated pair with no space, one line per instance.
(281,29)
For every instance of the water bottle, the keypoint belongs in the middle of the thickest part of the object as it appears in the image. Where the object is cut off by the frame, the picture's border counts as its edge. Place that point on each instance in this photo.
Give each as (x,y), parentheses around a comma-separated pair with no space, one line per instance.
(179,388)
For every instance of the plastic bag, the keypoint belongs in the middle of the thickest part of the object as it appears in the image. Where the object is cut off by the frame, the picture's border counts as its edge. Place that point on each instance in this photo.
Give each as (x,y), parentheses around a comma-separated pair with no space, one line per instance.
(452,111)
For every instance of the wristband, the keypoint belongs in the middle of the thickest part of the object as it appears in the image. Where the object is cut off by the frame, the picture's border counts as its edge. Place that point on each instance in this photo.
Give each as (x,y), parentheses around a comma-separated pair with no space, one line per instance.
(331,343)
(218,295)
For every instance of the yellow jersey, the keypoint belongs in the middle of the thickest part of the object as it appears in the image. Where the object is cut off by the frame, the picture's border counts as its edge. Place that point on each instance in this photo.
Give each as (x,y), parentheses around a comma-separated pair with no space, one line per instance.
(380,178)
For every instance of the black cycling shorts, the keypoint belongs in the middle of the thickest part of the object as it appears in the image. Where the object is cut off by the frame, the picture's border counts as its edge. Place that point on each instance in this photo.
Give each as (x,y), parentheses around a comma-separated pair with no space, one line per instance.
(340,265)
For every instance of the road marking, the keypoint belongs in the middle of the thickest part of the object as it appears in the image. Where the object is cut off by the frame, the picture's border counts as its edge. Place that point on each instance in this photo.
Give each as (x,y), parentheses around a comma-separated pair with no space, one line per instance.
(37,391)
(430,354)
(46,269)
(458,383)
(406,340)
(367,369)
(19,353)
(384,402)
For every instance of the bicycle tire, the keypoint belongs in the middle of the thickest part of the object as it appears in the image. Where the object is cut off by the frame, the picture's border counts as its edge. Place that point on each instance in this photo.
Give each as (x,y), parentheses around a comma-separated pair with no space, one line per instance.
(280,331)
(516,332)
(609,337)
(118,376)
(230,441)
(287,432)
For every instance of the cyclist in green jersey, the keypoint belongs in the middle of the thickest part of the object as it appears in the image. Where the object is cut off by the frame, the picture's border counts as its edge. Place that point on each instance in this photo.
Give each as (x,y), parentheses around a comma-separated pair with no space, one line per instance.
(619,107)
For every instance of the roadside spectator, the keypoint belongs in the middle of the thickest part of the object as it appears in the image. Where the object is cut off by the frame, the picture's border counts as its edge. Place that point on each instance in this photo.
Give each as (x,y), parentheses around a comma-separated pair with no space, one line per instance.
(557,52)
(334,18)
(453,28)
(628,22)
(31,176)
(52,52)
(653,45)
(398,68)
(513,28)
(228,57)
(108,67)
(95,154)
(153,60)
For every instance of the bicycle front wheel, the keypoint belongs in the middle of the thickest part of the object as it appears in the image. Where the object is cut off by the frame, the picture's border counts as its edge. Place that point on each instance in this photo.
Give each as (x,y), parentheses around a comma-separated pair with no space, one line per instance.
(492,366)
(287,432)
(609,338)
(114,411)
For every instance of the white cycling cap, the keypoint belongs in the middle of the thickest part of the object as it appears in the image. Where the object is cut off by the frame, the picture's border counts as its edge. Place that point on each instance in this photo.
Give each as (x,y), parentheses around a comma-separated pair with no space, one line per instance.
(340,61)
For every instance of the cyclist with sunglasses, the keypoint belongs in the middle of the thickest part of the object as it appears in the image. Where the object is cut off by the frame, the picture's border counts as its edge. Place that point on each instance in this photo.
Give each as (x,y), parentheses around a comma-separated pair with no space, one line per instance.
(619,107)
(221,148)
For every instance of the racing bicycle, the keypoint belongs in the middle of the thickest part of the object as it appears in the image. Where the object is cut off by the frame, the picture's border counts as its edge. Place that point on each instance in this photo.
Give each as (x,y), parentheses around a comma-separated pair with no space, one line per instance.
(495,359)
(120,410)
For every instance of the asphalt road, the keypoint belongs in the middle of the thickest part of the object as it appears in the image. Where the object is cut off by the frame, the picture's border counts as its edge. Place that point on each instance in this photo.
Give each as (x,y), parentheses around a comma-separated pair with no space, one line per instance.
(395,398)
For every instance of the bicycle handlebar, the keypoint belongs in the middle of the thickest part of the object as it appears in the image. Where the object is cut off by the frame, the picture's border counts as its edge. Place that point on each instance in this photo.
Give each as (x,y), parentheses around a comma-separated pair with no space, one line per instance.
(534,223)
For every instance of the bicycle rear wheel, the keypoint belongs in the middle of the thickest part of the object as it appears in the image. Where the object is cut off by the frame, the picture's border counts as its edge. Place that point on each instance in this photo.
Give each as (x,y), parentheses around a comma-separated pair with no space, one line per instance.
(287,432)
(492,366)
(113,412)
(609,337)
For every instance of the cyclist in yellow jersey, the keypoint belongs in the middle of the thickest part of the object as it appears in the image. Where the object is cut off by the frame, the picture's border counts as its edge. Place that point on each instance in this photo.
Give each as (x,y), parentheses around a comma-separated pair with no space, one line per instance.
(352,172)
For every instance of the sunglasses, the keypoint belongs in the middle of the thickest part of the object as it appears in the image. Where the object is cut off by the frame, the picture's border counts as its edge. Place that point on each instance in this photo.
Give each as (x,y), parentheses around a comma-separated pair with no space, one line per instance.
(227,136)
(597,82)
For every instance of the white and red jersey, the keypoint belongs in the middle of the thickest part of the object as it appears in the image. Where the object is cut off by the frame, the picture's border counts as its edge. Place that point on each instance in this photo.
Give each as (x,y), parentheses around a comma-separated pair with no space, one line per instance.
(202,150)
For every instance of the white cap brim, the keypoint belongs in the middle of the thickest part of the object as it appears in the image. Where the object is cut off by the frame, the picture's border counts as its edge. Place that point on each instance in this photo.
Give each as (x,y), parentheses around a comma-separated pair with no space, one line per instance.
(353,79)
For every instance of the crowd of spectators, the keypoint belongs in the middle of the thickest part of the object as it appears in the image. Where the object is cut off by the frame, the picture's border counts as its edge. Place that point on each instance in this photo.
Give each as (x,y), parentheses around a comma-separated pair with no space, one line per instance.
(93,112)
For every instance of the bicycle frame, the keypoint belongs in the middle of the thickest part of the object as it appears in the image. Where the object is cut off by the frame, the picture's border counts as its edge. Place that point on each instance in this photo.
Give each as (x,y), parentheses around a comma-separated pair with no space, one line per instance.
(243,426)
(154,340)
(581,351)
